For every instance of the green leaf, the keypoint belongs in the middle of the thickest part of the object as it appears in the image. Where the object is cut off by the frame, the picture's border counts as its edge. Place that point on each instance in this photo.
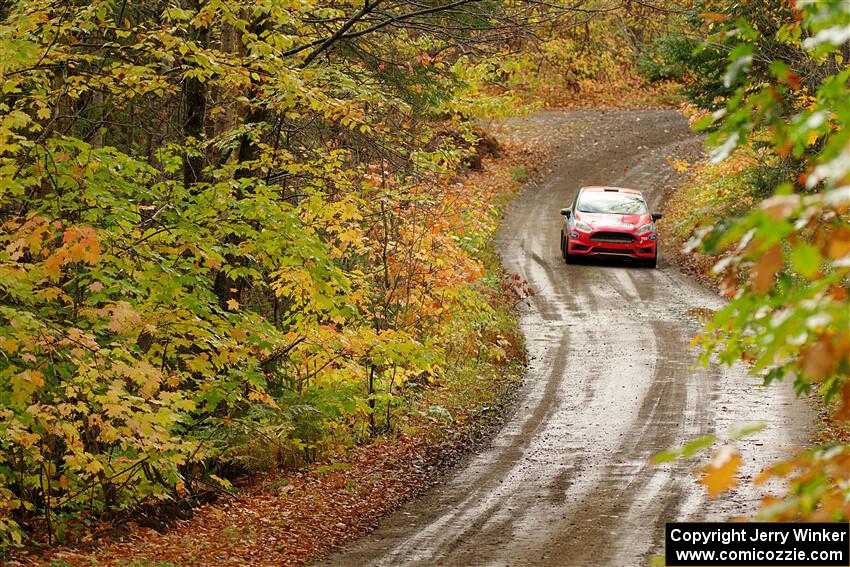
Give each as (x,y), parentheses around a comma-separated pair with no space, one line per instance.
(805,259)
(686,451)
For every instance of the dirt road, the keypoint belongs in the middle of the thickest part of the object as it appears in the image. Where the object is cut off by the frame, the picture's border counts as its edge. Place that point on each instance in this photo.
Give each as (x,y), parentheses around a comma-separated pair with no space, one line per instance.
(567,481)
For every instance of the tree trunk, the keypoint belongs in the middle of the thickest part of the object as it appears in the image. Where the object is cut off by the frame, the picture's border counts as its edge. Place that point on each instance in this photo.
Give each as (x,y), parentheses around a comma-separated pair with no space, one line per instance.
(194,112)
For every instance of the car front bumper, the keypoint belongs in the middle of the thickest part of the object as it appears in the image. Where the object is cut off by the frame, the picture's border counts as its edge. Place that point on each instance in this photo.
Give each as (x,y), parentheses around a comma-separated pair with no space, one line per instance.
(586,245)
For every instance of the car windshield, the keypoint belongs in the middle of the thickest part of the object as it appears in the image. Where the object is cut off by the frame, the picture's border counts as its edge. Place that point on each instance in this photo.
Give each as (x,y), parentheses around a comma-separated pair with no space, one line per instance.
(611,203)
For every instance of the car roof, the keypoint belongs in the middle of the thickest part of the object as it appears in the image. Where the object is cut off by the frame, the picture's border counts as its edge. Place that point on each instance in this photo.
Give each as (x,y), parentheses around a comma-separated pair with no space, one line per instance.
(600,188)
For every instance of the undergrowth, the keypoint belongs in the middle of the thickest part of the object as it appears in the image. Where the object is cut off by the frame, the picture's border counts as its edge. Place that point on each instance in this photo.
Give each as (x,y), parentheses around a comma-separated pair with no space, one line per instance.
(713,193)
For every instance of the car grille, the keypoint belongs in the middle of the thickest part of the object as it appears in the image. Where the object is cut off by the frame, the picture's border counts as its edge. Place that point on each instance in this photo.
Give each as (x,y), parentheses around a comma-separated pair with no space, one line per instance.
(621,251)
(603,236)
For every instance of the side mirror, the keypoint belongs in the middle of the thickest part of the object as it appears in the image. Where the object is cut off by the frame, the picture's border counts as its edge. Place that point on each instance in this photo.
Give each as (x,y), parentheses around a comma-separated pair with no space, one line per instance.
(657,216)
(566,212)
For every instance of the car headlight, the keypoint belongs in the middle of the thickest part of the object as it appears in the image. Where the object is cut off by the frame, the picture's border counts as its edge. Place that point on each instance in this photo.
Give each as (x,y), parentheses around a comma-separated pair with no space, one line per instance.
(646,228)
(582,226)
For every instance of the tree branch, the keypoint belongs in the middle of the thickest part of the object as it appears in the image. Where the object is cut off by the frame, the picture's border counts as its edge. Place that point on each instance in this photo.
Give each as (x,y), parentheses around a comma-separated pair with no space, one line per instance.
(367,7)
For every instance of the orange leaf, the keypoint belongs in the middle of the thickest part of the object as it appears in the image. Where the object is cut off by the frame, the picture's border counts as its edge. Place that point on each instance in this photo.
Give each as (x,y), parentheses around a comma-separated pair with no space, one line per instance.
(714,17)
(721,472)
(761,276)
(843,412)
(779,470)
(839,245)
(817,361)
(780,207)
(729,285)
(53,264)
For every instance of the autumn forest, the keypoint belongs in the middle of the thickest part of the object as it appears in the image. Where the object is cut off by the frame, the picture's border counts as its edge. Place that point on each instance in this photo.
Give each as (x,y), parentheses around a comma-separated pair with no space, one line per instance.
(247,247)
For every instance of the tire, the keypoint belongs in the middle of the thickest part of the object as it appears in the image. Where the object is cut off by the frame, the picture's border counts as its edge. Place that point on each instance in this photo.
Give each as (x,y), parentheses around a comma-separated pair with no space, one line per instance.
(650,262)
(568,258)
(563,246)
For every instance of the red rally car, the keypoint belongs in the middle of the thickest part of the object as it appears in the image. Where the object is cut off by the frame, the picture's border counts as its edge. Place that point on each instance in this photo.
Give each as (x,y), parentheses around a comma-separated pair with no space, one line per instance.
(610,221)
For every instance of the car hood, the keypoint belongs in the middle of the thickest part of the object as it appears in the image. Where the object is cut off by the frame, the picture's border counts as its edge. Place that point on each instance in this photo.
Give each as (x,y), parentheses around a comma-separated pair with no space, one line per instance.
(621,222)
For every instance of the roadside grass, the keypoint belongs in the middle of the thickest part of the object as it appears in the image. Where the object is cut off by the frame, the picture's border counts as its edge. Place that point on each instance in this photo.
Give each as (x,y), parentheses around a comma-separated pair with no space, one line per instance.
(713,192)
(519,175)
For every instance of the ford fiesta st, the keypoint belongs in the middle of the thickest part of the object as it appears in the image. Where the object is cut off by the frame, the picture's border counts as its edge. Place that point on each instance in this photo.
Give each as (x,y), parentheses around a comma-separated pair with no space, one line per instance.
(609,221)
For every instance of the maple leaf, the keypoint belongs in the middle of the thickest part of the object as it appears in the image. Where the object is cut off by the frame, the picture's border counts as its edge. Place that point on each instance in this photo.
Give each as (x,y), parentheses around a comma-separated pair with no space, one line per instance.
(817,360)
(843,412)
(721,471)
(93,467)
(765,268)
(25,384)
(54,263)
(839,244)
(232,305)
(123,317)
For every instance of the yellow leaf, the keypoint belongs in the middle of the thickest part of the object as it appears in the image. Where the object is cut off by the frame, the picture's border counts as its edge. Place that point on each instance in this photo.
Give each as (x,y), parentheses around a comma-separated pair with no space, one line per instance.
(25,384)
(680,165)
(721,472)
(232,304)
(50,293)
(257,396)
(93,467)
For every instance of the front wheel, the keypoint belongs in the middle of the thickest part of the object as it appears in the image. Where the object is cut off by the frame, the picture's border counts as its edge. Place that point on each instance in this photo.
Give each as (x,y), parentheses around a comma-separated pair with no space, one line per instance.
(650,262)
(568,258)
